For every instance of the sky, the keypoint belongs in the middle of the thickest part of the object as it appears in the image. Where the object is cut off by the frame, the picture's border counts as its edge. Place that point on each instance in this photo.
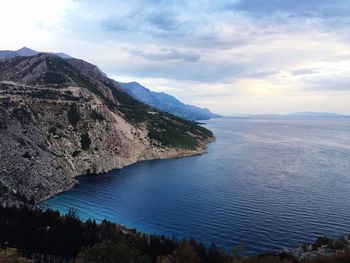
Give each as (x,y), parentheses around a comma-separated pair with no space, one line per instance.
(233,57)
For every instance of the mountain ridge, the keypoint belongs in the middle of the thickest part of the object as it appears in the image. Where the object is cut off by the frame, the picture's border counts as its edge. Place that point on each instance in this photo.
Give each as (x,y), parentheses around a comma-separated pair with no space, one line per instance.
(166,102)
(159,100)
(26,52)
(305,114)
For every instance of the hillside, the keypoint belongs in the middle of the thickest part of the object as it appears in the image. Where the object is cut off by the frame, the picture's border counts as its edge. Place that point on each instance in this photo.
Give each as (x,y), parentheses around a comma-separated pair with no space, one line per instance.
(167,103)
(61,118)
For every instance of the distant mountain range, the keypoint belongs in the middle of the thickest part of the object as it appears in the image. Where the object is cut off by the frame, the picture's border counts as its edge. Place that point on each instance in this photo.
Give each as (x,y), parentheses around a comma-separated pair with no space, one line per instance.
(293,115)
(26,52)
(315,114)
(167,103)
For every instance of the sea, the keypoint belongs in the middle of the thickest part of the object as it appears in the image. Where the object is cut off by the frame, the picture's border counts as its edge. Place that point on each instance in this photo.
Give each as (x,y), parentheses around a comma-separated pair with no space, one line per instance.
(271,183)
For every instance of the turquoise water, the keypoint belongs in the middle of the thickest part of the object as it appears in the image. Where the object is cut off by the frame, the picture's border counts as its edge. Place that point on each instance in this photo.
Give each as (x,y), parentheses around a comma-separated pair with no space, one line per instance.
(271,183)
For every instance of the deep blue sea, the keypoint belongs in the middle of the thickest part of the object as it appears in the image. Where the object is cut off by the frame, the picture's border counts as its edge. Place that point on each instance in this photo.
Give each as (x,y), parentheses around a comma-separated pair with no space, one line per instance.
(271,183)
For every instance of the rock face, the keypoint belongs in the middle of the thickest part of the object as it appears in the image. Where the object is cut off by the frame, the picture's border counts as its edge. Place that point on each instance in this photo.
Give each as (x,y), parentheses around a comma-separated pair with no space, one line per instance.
(61,118)
(322,247)
(167,103)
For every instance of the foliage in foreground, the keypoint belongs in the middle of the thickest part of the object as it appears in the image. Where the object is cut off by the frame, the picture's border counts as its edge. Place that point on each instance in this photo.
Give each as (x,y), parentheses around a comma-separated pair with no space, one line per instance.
(11,255)
(44,236)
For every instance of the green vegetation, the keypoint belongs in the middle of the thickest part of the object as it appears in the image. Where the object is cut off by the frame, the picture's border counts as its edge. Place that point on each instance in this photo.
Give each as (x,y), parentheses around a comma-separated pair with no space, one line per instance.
(175,132)
(332,243)
(75,153)
(27,155)
(109,251)
(11,255)
(172,138)
(165,128)
(73,115)
(54,78)
(45,94)
(95,115)
(53,130)
(85,141)
(57,64)
(45,236)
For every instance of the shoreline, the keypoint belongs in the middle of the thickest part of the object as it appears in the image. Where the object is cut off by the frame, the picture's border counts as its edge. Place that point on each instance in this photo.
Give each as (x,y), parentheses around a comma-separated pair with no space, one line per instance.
(200,150)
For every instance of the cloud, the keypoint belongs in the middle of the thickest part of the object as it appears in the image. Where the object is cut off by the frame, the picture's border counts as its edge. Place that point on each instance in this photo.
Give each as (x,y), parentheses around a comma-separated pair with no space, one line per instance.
(310,8)
(166,54)
(165,21)
(261,74)
(153,23)
(269,55)
(179,70)
(334,82)
(331,85)
(305,71)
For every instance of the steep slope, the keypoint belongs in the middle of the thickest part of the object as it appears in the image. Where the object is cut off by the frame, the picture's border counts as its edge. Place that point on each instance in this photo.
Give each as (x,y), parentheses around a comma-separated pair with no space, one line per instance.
(167,103)
(60,118)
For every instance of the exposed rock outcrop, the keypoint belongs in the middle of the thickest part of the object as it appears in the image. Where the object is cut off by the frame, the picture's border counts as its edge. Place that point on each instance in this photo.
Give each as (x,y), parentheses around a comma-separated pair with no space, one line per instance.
(61,118)
(323,247)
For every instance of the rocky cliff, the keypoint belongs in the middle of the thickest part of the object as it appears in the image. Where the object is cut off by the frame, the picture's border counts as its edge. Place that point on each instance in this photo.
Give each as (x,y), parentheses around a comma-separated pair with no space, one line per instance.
(61,118)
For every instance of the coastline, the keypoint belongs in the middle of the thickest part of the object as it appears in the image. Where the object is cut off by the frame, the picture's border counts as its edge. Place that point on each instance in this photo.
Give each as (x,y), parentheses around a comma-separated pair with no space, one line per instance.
(179,153)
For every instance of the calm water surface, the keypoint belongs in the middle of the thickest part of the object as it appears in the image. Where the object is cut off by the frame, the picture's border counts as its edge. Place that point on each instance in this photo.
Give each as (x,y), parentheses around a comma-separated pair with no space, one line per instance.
(271,183)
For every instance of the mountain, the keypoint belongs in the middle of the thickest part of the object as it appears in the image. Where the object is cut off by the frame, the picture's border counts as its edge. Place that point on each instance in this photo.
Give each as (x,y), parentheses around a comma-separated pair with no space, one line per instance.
(315,114)
(25,52)
(307,114)
(158,100)
(165,102)
(61,118)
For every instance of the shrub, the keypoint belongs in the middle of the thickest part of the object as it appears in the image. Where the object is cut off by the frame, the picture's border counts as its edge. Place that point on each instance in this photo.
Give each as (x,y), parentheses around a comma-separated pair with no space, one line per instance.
(73,115)
(11,255)
(95,115)
(75,153)
(54,78)
(85,141)
(108,251)
(321,241)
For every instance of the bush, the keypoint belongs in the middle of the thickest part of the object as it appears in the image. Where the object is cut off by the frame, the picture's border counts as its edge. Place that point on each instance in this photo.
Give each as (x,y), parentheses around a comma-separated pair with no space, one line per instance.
(321,241)
(73,115)
(85,141)
(11,255)
(75,153)
(54,78)
(95,115)
(108,251)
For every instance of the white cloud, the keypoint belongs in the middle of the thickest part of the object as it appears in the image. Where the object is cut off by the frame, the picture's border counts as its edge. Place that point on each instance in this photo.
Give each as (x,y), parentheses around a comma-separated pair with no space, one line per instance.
(229,56)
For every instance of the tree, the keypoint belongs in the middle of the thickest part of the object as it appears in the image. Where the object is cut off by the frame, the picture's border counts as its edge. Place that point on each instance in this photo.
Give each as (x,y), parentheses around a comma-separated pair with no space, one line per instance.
(85,141)
(11,255)
(185,253)
(109,252)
